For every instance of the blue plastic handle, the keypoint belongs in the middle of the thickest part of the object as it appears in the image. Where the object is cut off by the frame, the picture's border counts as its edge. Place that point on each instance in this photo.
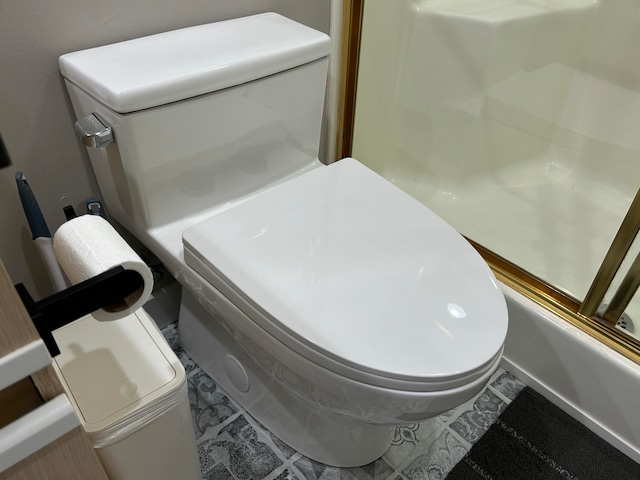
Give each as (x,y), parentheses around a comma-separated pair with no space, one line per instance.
(36,221)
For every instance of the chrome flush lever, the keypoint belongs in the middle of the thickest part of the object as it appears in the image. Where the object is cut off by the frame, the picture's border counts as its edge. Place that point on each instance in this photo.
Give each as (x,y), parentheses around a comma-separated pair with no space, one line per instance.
(94,131)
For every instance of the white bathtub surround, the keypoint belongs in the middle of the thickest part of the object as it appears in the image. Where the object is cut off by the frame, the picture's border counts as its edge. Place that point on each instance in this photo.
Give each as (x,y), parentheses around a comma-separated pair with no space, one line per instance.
(590,381)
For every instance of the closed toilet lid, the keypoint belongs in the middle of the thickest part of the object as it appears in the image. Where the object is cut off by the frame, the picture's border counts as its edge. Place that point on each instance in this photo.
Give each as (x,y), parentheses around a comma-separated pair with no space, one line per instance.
(341,262)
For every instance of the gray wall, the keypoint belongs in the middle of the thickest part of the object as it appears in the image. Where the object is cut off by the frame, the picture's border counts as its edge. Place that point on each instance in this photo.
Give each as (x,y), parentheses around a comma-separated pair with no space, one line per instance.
(35,116)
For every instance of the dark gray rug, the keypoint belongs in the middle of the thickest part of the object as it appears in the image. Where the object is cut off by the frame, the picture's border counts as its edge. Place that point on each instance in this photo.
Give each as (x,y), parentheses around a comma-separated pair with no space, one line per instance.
(535,440)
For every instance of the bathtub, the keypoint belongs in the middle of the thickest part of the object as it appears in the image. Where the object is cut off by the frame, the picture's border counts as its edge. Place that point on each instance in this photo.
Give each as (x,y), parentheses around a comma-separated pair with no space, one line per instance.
(593,383)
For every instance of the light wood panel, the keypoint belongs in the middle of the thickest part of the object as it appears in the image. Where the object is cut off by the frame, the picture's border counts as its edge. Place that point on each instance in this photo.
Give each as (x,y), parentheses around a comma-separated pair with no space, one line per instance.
(16,329)
(18,400)
(71,457)
(67,458)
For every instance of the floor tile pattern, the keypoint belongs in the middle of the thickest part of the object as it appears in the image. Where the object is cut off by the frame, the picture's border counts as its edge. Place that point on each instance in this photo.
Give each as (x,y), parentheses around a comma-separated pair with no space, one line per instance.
(232,445)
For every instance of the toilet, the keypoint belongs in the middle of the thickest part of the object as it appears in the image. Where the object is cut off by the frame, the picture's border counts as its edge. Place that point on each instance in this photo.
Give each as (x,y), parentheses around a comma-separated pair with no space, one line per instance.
(327,302)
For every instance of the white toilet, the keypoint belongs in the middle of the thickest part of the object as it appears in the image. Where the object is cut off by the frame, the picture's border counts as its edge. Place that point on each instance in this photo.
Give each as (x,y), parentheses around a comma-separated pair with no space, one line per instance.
(323,299)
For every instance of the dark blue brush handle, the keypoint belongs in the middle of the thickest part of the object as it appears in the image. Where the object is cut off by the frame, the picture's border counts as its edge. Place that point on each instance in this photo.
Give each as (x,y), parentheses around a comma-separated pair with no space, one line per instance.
(31,208)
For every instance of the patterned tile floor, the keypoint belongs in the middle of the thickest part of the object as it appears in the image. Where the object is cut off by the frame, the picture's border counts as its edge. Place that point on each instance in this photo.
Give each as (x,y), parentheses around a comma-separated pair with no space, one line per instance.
(232,445)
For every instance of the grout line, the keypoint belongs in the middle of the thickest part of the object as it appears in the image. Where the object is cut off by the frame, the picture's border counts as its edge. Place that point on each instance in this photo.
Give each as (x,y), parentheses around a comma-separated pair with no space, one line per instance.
(293,468)
(457,436)
(500,395)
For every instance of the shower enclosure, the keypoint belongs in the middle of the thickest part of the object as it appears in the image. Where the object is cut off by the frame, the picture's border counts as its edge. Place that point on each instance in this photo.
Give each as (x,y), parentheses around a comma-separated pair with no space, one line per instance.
(518,122)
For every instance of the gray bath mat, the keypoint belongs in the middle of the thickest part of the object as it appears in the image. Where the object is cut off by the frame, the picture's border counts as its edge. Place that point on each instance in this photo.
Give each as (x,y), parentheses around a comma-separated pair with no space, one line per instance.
(535,440)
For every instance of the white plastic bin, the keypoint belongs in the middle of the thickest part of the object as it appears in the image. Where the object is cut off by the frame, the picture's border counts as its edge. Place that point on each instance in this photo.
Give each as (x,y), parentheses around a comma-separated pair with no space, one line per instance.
(130,392)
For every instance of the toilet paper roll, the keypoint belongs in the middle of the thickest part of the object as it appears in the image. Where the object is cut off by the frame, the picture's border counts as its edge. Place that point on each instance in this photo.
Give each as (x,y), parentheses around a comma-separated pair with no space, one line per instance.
(87,246)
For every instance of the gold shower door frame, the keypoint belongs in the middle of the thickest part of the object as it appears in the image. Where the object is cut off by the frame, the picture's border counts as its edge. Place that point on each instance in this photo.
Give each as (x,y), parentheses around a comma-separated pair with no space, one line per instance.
(585,315)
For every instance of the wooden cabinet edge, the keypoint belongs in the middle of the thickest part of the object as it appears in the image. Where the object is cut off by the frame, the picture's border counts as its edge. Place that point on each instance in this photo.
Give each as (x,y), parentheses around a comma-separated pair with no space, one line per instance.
(71,456)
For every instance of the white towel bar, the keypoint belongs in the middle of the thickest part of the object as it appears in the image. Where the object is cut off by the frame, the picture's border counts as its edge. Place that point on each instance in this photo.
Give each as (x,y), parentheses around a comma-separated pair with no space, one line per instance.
(22,362)
(36,429)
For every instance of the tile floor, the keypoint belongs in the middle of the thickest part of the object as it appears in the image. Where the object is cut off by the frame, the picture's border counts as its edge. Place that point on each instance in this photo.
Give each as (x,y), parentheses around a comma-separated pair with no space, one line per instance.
(232,445)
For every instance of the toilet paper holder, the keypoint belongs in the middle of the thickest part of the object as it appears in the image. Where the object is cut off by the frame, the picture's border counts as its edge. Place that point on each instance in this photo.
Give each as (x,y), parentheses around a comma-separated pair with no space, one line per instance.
(106,290)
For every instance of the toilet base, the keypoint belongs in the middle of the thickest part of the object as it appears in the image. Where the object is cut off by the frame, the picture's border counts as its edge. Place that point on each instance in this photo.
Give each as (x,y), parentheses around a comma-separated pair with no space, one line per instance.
(316,434)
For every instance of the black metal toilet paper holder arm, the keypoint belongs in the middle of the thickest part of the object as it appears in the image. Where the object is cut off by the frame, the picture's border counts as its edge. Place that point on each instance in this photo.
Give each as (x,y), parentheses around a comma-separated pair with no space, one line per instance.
(106,290)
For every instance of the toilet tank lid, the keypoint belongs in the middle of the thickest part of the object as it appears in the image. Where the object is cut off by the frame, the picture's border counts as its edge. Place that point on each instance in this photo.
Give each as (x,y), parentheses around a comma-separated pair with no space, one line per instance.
(167,67)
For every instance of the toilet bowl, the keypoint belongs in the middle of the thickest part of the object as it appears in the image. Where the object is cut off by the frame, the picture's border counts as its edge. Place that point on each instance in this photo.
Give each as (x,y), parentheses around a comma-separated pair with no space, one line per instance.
(351,343)
(323,299)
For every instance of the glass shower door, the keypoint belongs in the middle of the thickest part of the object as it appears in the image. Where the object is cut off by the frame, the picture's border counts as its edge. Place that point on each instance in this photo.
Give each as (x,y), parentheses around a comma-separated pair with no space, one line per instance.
(515,121)
(611,296)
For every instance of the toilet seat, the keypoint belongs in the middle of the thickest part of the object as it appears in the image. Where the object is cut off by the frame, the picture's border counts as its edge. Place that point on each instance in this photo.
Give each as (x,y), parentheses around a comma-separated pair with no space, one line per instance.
(309,262)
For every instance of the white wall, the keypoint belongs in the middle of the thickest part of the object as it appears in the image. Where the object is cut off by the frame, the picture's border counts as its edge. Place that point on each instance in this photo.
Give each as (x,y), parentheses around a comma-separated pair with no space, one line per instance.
(35,116)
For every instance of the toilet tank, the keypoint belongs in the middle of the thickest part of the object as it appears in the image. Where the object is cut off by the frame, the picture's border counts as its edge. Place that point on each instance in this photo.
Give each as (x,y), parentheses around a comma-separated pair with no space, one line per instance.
(201,116)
